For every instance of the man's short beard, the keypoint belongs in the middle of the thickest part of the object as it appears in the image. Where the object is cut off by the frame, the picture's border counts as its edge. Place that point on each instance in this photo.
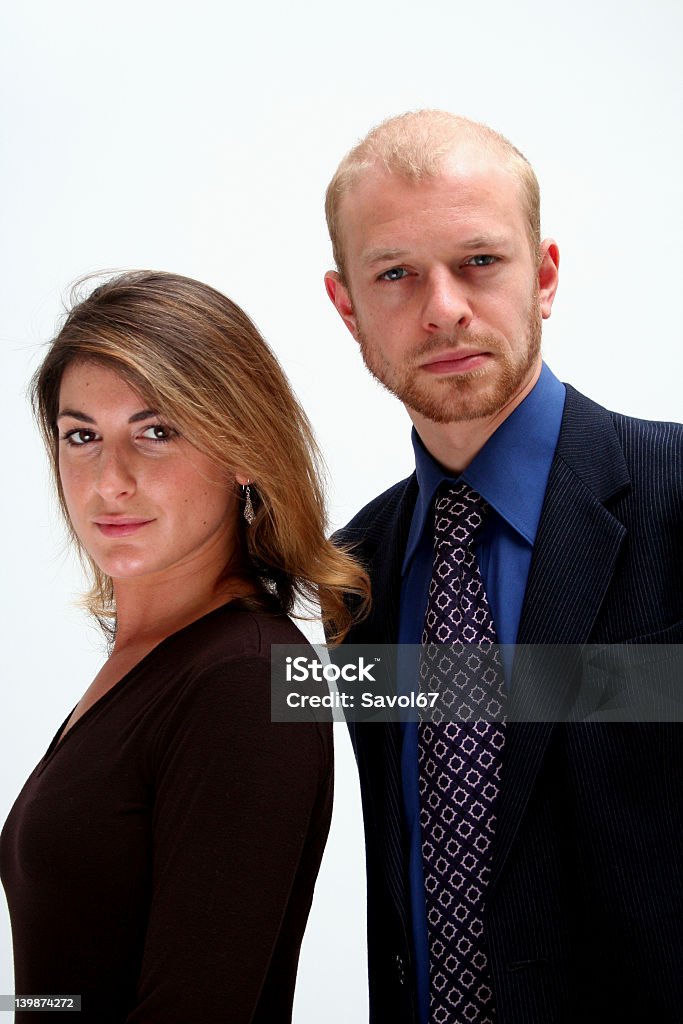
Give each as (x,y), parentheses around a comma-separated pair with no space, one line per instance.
(463,396)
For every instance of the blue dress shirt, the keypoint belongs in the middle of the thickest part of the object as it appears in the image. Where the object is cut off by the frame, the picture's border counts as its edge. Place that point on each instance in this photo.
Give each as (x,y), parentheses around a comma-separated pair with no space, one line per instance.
(510,473)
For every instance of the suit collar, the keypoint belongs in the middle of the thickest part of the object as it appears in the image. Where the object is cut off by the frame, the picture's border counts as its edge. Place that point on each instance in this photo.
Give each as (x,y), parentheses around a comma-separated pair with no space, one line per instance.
(588,444)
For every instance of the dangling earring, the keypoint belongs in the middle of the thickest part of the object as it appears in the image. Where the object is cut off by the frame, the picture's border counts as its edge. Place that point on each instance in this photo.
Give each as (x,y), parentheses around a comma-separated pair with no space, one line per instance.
(248,511)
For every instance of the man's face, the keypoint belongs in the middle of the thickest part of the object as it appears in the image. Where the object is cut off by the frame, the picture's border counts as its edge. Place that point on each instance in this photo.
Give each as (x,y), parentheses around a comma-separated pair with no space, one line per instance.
(442,290)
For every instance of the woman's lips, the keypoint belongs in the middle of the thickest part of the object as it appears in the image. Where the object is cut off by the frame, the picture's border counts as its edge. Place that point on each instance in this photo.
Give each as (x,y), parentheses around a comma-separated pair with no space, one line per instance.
(452,362)
(120,527)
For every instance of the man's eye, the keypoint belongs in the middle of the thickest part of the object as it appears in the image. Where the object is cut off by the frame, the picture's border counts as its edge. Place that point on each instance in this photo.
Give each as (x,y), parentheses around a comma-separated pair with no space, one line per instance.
(481,261)
(158,432)
(395,274)
(78,437)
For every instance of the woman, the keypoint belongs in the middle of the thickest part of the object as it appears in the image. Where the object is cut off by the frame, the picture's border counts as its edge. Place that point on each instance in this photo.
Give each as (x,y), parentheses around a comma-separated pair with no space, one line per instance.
(160,860)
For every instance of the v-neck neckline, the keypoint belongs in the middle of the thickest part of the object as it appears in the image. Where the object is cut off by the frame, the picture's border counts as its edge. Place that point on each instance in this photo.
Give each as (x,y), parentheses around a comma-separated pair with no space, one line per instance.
(61,737)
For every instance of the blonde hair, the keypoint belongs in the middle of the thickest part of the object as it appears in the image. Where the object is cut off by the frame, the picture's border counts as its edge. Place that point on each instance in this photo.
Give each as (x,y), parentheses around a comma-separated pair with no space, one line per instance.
(199,359)
(413,146)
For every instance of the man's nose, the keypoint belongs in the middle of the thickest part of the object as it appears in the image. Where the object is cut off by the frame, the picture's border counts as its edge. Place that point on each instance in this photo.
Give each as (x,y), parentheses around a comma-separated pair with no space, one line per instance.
(446,304)
(115,473)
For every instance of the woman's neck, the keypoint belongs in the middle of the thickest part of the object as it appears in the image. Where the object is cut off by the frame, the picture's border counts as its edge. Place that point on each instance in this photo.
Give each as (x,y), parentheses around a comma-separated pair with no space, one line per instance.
(150,610)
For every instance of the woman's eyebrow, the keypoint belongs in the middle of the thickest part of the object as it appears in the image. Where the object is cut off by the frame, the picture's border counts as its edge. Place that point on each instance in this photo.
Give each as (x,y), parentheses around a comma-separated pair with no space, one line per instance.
(74,414)
(144,415)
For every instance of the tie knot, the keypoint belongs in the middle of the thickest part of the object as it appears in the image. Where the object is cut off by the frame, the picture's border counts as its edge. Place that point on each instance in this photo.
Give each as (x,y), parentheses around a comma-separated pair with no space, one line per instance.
(458,514)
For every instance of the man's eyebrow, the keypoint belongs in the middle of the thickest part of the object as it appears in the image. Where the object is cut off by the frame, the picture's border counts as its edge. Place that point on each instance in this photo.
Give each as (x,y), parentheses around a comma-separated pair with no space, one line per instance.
(373,256)
(74,414)
(484,242)
(381,255)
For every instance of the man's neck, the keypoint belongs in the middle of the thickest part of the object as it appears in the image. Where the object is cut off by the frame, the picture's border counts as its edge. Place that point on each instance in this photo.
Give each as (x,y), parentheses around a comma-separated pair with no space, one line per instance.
(454,445)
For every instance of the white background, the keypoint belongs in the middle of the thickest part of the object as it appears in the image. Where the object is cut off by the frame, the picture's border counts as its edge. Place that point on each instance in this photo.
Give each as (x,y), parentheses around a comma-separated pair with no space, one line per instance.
(199,138)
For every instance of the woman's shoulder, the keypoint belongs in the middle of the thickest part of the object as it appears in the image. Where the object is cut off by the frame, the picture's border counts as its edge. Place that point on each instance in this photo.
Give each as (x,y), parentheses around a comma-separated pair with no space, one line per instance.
(232,632)
(218,687)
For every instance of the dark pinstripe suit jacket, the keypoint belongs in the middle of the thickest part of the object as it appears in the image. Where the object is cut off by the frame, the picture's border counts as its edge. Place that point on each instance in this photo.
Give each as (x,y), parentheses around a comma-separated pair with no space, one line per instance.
(585,915)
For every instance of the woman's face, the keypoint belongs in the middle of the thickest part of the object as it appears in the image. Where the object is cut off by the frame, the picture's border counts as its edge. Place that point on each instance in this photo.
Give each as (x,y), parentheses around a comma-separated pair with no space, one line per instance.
(142,500)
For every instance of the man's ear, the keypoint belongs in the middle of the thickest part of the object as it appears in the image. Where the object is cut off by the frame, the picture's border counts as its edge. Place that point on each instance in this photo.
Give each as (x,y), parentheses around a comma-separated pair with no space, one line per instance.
(548,275)
(341,298)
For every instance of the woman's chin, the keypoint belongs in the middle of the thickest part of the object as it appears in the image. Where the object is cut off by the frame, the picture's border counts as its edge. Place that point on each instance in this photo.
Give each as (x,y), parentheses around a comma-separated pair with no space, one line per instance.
(124,568)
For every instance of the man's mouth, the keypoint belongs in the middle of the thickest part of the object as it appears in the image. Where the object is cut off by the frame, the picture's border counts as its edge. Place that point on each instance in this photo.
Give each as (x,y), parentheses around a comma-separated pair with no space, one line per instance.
(456,361)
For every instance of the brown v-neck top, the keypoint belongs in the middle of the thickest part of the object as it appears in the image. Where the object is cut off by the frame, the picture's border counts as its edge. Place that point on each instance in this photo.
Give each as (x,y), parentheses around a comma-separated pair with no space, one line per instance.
(160,860)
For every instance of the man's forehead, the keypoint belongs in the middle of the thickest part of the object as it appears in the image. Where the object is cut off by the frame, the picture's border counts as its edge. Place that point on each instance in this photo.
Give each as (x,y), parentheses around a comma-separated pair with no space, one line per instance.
(464,171)
(460,190)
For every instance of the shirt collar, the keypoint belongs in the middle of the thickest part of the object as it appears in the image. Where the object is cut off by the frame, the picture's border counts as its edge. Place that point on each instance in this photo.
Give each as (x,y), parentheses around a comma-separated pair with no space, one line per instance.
(511,470)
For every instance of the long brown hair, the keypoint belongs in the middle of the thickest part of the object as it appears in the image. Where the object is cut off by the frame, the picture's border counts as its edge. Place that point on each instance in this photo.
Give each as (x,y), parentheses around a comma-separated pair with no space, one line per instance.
(199,359)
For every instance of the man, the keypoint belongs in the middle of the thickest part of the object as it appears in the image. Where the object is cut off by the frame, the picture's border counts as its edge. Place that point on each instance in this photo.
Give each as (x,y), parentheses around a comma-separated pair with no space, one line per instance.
(519,871)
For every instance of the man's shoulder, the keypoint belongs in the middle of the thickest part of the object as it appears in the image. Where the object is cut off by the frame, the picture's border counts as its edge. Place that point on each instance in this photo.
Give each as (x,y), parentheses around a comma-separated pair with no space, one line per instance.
(373,519)
(655,436)
(658,433)
(653,452)
(633,465)
(646,445)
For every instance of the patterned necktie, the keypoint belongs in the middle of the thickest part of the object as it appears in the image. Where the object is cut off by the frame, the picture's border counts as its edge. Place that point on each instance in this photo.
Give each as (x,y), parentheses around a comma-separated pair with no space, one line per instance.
(459,764)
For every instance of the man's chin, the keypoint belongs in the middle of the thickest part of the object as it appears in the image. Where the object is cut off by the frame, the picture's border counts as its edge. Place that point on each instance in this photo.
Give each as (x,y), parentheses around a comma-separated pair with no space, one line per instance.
(449,413)
(460,401)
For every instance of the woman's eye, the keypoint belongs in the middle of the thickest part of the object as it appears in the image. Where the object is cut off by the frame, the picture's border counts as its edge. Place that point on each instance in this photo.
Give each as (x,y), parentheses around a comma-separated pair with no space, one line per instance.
(481,261)
(158,432)
(79,437)
(395,274)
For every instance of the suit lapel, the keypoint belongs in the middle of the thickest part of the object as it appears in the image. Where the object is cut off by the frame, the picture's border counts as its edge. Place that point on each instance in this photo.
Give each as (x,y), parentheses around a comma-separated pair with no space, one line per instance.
(575,554)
